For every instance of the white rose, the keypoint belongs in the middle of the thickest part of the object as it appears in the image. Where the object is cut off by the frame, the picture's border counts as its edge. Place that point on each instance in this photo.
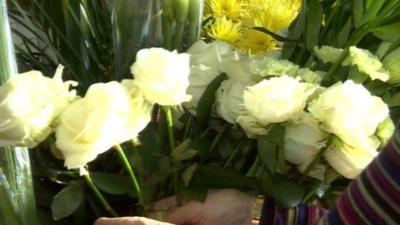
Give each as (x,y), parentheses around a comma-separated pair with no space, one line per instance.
(229,99)
(162,75)
(205,60)
(277,99)
(236,65)
(303,140)
(349,111)
(208,54)
(200,77)
(29,103)
(347,160)
(109,114)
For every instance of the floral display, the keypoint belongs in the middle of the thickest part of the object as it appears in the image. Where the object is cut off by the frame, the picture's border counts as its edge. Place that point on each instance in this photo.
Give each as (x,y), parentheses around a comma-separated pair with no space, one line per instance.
(289,99)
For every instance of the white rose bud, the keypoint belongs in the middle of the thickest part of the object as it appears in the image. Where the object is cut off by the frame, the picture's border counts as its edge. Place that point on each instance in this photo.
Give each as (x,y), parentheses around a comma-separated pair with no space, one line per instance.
(276,100)
(30,103)
(229,99)
(303,140)
(162,75)
(347,160)
(349,111)
(109,114)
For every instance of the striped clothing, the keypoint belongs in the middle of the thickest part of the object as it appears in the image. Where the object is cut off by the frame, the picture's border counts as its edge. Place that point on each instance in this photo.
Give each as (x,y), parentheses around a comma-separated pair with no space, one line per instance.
(373,198)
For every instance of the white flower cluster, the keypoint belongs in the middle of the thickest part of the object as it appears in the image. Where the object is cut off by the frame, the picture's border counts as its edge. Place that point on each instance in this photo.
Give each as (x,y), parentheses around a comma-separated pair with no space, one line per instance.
(109,114)
(262,91)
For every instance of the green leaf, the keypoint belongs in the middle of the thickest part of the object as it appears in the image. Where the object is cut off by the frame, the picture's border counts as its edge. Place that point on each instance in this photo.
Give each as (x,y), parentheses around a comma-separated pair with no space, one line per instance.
(268,152)
(274,35)
(270,148)
(202,145)
(66,201)
(182,152)
(372,10)
(189,173)
(389,32)
(343,36)
(217,177)
(394,100)
(295,32)
(314,17)
(207,99)
(286,193)
(358,11)
(111,183)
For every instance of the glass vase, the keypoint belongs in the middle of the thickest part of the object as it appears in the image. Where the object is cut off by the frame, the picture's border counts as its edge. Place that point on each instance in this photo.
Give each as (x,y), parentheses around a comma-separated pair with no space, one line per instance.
(16,188)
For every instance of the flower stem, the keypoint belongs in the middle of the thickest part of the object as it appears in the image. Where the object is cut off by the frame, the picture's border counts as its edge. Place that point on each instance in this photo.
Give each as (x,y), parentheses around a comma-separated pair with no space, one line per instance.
(99,196)
(218,137)
(170,125)
(129,169)
(188,127)
(171,136)
(167,35)
(180,28)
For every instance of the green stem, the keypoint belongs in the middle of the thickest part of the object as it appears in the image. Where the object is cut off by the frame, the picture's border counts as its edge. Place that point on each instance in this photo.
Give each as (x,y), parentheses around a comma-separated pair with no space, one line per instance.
(167,34)
(170,125)
(188,127)
(128,168)
(329,75)
(233,154)
(99,196)
(193,32)
(136,159)
(354,40)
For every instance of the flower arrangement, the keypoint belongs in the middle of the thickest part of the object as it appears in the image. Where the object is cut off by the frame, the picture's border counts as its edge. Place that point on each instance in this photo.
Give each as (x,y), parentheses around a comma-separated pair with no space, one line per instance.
(291,99)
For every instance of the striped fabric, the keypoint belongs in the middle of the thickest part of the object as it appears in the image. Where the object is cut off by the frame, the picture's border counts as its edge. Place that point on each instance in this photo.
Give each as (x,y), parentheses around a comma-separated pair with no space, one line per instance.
(373,198)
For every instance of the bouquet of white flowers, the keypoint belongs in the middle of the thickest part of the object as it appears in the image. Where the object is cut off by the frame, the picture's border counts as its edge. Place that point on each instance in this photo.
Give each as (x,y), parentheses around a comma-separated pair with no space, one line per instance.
(270,99)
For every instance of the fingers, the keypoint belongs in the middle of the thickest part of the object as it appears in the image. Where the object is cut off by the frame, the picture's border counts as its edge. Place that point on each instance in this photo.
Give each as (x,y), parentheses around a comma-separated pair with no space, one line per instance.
(165,204)
(191,213)
(128,221)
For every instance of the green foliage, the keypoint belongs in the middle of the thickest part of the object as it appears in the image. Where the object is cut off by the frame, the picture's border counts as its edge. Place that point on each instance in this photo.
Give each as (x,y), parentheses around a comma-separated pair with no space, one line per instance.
(314,16)
(270,149)
(285,192)
(111,183)
(67,201)
(207,99)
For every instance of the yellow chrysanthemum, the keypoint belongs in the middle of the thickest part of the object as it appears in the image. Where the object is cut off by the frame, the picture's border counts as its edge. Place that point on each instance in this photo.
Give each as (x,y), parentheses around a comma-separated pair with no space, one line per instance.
(224,29)
(274,15)
(229,8)
(256,42)
(271,14)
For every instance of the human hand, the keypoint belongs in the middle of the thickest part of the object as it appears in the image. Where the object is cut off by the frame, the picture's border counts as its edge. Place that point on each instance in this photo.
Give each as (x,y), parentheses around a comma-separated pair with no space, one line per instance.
(221,207)
(128,221)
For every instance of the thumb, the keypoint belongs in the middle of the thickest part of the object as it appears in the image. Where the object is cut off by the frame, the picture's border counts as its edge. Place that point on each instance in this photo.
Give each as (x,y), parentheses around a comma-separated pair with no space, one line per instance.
(191,213)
